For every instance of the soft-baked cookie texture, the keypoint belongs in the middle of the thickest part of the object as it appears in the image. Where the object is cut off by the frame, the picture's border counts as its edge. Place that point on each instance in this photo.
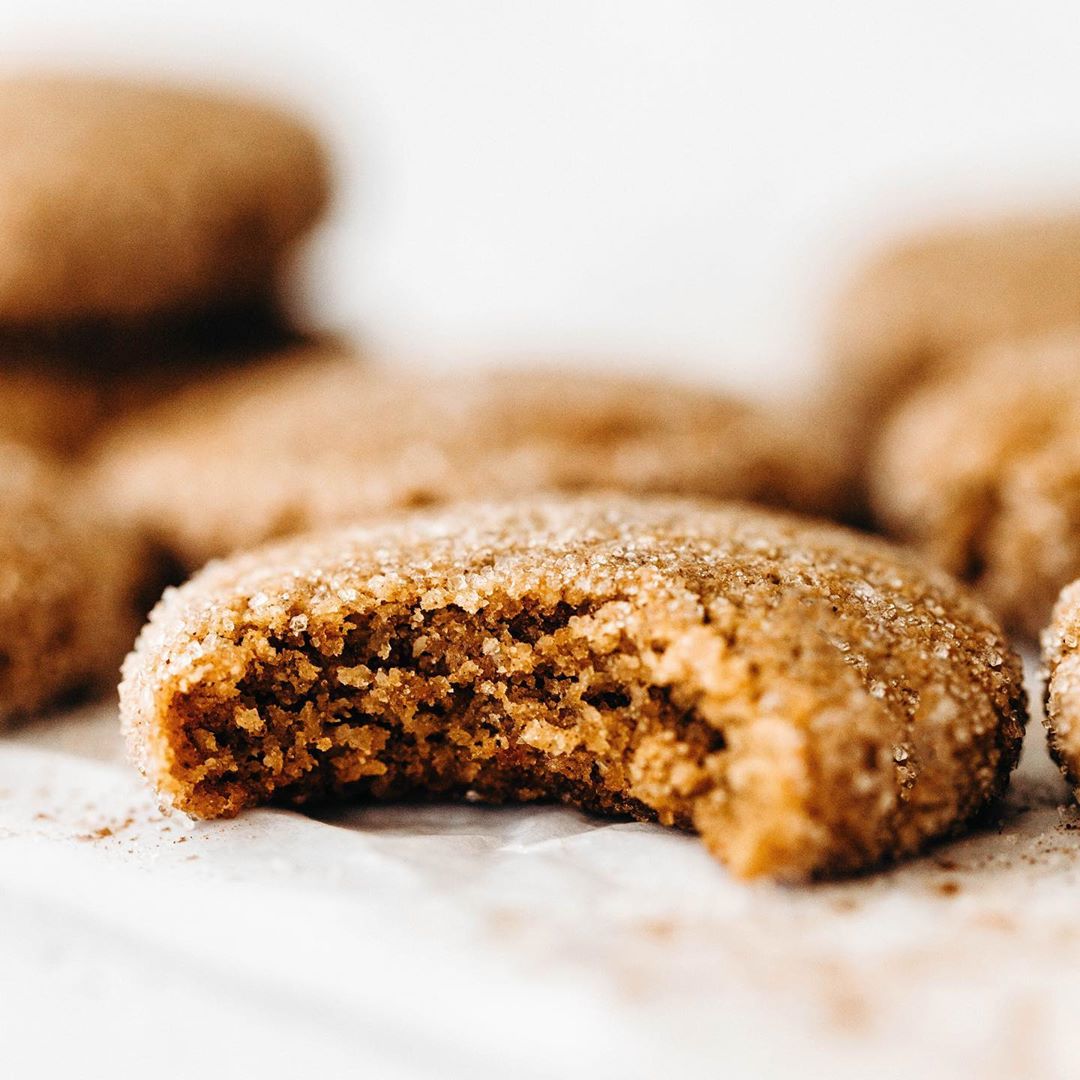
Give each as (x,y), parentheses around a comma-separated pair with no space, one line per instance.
(314,438)
(809,700)
(121,199)
(981,470)
(924,304)
(67,588)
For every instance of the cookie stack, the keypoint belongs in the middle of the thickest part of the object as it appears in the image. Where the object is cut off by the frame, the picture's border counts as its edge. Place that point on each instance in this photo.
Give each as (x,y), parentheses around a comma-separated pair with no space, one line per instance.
(510,584)
(144,235)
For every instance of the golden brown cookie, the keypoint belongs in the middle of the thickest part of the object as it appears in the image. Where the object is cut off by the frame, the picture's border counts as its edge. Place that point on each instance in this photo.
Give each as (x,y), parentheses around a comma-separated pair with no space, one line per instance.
(314,438)
(121,199)
(67,586)
(981,471)
(809,700)
(925,304)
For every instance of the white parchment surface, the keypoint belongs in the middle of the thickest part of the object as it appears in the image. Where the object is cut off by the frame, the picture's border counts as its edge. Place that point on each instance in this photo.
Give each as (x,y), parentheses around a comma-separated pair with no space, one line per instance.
(445,941)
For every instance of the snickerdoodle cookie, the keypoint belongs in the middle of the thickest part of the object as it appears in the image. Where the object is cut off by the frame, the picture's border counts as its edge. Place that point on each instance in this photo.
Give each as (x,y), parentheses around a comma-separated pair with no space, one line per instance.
(809,700)
(924,304)
(67,588)
(315,438)
(981,470)
(122,200)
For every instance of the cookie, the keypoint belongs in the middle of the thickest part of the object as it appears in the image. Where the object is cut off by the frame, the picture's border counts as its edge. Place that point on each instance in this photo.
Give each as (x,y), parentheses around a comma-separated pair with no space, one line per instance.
(121,200)
(810,701)
(314,438)
(981,470)
(67,586)
(927,303)
(1061,674)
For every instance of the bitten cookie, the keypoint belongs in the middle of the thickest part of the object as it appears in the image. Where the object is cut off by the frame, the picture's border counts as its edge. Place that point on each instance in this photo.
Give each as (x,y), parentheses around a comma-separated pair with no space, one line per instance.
(810,701)
(67,588)
(923,305)
(315,438)
(120,200)
(981,470)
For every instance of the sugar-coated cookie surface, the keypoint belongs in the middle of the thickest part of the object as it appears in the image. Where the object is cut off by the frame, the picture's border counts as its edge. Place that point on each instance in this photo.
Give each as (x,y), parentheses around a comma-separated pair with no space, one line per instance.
(315,438)
(981,470)
(120,199)
(67,588)
(809,700)
(928,301)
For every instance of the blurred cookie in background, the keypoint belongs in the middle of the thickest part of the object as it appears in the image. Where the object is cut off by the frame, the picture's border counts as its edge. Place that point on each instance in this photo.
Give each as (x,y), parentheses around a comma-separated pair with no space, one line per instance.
(981,470)
(146,233)
(51,411)
(69,582)
(926,304)
(313,438)
(122,199)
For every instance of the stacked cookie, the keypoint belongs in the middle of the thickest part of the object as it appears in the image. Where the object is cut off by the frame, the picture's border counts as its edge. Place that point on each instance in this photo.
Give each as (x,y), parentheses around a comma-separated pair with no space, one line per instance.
(144,233)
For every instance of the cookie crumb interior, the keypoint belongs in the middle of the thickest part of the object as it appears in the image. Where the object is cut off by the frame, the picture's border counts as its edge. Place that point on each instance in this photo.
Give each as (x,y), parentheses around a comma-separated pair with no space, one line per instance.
(513,702)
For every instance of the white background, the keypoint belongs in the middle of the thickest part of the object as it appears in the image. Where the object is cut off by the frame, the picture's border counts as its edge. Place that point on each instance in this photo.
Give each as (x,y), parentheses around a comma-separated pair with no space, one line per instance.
(677,182)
